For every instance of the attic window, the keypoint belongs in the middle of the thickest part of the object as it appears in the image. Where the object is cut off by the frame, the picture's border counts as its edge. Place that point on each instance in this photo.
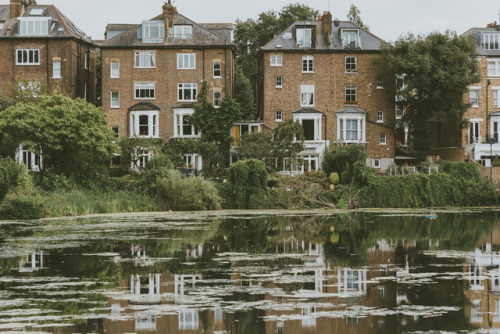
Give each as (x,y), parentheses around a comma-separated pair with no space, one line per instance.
(304,37)
(33,26)
(287,35)
(350,39)
(491,41)
(153,32)
(36,11)
(183,31)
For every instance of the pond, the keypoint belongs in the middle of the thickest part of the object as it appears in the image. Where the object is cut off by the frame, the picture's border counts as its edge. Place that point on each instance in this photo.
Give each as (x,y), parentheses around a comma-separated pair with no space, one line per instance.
(255,272)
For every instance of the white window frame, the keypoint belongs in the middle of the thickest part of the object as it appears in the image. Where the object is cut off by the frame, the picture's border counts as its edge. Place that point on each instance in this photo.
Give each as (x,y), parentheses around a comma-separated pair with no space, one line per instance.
(86,60)
(279,82)
(29,158)
(351,87)
(147,29)
(278,116)
(56,69)
(34,26)
(304,37)
(219,69)
(276,60)
(114,73)
(153,124)
(474,90)
(399,112)
(179,115)
(306,94)
(144,59)
(217,99)
(183,31)
(491,41)
(316,118)
(495,126)
(186,61)
(184,86)
(116,99)
(496,96)
(307,64)
(347,36)
(342,130)
(380,116)
(376,163)
(379,83)
(143,156)
(188,320)
(351,67)
(493,67)
(25,56)
(475,127)
(147,87)
(383,139)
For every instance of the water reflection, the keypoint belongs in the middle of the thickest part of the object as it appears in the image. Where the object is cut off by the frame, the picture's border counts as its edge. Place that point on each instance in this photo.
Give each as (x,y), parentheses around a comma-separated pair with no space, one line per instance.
(364,273)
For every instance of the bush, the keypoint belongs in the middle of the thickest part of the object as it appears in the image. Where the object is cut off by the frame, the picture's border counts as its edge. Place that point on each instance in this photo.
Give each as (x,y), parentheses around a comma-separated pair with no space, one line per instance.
(341,160)
(22,206)
(187,193)
(334,178)
(248,179)
(9,175)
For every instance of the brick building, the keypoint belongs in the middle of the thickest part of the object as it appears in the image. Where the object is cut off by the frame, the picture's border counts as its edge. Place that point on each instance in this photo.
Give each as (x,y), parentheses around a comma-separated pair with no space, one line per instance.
(152,72)
(41,46)
(484,97)
(321,74)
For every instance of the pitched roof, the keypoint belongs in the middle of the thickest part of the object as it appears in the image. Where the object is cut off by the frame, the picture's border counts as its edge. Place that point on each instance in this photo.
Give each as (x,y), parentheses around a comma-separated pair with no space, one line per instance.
(477,33)
(213,34)
(285,40)
(60,25)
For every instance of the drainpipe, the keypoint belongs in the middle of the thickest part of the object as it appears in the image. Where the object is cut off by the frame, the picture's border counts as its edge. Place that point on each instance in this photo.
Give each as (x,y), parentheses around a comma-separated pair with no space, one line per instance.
(488,82)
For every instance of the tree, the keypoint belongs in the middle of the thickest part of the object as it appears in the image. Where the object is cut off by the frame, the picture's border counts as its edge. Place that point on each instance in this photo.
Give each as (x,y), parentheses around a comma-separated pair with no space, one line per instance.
(288,142)
(215,123)
(251,35)
(354,17)
(244,94)
(257,145)
(429,75)
(71,134)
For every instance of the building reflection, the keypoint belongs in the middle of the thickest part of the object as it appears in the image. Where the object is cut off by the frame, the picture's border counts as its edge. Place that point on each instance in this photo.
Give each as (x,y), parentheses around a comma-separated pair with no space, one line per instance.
(482,274)
(31,262)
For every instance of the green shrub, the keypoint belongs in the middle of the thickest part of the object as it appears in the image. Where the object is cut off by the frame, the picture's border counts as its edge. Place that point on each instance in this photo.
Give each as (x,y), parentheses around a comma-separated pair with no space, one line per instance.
(22,206)
(334,178)
(187,193)
(341,160)
(248,179)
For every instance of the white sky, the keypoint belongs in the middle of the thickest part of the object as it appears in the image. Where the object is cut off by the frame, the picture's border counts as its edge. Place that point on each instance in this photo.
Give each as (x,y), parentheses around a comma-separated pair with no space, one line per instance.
(388,19)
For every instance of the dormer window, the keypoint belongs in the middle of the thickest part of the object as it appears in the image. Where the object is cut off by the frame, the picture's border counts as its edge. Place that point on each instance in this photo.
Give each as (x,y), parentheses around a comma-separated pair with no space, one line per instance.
(304,37)
(33,26)
(183,31)
(491,41)
(350,38)
(36,11)
(153,32)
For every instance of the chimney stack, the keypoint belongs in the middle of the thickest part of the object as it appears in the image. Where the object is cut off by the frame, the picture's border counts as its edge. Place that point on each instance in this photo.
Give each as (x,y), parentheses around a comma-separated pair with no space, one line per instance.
(16,8)
(326,26)
(168,16)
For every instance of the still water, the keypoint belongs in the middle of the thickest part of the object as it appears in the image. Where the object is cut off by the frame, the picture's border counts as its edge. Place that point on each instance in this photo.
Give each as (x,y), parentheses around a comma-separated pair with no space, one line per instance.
(253,273)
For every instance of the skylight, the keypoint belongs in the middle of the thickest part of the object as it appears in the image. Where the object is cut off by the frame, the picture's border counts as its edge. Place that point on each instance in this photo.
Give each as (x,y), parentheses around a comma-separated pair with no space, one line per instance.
(36,11)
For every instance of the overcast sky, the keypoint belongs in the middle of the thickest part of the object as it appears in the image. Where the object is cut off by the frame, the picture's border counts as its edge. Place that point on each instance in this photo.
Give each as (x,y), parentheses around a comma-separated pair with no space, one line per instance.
(388,19)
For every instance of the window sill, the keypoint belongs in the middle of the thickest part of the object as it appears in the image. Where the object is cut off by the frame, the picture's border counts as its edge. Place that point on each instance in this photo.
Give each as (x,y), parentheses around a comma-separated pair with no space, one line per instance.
(144,98)
(217,77)
(278,120)
(307,72)
(193,68)
(144,136)
(114,77)
(143,67)
(186,137)
(56,77)
(380,122)
(276,65)
(379,87)
(279,87)
(474,106)
(28,64)
(351,72)
(307,105)
(181,101)
(113,107)
(382,144)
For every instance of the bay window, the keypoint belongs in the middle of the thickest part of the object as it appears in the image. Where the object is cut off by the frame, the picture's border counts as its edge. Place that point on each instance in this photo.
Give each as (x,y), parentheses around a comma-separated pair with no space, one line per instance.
(144,124)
